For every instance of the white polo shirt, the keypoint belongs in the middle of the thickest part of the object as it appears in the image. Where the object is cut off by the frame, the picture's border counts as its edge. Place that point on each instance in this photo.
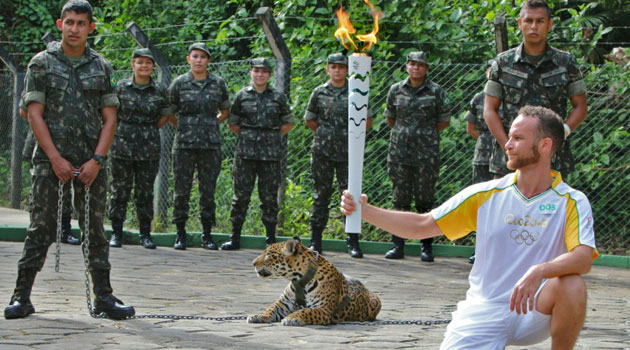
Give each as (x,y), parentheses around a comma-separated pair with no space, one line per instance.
(514,232)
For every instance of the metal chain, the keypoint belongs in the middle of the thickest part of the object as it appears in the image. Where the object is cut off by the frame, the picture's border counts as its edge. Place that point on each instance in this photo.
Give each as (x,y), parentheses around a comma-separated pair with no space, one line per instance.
(191,317)
(404,322)
(86,251)
(240,318)
(59,214)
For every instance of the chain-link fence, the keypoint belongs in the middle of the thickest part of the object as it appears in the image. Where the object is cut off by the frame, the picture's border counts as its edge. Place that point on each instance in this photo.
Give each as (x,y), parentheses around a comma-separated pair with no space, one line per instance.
(600,147)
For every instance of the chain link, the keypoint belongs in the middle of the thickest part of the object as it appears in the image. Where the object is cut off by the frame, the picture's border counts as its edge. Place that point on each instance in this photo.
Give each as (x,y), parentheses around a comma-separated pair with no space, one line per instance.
(59,214)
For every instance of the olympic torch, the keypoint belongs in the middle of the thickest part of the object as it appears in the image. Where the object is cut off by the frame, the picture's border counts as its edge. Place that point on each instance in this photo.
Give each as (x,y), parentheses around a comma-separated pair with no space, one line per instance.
(359,70)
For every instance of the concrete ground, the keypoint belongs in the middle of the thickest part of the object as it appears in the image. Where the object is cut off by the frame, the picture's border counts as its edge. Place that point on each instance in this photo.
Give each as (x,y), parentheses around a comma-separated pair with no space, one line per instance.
(218,283)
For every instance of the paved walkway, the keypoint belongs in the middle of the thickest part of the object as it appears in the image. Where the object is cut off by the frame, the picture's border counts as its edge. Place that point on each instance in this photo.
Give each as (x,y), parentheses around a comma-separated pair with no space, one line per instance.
(199,282)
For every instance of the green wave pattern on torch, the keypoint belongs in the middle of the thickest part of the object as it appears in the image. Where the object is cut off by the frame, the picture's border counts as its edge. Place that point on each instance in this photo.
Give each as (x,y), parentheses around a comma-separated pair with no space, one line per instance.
(360,77)
(363,93)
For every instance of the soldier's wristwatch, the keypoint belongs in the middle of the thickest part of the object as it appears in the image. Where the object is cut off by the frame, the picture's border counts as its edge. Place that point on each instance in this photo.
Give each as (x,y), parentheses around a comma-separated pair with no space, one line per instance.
(99,159)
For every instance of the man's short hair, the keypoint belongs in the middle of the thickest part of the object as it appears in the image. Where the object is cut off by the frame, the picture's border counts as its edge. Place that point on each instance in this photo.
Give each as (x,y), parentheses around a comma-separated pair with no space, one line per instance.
(549,125)
(78,6)
(535,4)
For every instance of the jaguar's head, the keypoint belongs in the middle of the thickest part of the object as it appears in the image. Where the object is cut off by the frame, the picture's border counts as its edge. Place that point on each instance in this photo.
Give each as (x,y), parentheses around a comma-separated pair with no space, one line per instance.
(288,259)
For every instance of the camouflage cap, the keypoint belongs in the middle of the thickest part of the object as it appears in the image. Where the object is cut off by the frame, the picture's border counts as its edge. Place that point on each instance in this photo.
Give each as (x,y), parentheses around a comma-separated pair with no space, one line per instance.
(199,46)
(261,62)
(418,56)
(489,63)
(143,53)
(337,58)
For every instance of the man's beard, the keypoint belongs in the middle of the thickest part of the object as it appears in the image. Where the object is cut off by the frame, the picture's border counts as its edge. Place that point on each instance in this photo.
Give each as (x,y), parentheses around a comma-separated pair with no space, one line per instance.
(518,163)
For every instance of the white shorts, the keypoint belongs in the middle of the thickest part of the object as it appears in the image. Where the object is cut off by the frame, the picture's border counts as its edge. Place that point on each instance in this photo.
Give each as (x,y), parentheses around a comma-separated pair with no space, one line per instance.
(493,326)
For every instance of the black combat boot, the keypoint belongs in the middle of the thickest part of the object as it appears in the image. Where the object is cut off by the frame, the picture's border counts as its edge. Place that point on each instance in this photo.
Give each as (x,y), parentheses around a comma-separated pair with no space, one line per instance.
(180,241)
(316,239)
(145,234)
(353,246)
(398,250)
(206,238)
(66,231)
(104,301)
(20,305)
(271,234)
(427,250)
(116,239)
(235,241)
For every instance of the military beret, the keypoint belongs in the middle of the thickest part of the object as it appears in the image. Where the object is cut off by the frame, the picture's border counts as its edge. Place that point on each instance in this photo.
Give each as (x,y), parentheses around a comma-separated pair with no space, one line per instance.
(261,62)
(199,46)
(337,58)
(418,56)
(143,53)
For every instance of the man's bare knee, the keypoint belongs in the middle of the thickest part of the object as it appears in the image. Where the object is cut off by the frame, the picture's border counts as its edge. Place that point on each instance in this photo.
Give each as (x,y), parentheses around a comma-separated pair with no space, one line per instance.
(572,287)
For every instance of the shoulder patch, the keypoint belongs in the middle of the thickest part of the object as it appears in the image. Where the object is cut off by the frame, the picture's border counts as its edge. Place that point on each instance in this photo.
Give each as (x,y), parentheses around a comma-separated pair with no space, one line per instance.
(112,81)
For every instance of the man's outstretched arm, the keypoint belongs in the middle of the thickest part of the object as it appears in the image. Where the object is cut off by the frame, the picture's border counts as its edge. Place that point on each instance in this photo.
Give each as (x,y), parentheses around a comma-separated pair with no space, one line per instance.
(402,224)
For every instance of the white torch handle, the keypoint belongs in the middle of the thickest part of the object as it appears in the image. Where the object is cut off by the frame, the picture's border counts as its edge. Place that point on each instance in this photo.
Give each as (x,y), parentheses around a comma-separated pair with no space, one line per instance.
(359,68)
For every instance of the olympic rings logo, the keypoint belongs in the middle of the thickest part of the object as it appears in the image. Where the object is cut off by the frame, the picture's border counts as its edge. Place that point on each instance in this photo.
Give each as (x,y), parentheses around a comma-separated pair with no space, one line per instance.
(524,237)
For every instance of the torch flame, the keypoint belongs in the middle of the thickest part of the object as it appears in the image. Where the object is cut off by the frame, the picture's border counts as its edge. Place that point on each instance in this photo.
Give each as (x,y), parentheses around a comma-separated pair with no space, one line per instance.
(345,29)
(370,38)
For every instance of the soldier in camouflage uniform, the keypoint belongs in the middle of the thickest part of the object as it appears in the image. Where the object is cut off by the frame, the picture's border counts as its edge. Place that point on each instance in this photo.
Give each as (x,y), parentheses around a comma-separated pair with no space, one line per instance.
(327,115)
(476,127)
(260,116)
(534,73)
(72,112)
(135,153)
(202,103)
(417,111)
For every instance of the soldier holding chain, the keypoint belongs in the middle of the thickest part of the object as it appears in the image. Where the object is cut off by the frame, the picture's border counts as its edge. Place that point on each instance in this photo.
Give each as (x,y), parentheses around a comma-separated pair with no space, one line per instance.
(72,112)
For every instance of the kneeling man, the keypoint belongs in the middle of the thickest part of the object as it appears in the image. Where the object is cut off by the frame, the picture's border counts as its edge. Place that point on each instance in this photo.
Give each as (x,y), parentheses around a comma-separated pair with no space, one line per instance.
(534,239)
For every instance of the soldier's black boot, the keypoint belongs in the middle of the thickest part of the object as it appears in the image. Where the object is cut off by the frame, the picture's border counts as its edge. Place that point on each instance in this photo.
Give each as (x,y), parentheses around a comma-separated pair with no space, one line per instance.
(104,301)
(66,231)
(398,250)
(316,239)
(427,250)
(271,234)
(206,238)
(235,241)
(353,246)
(180,240)
(20,305)
(145,234)
(116,239)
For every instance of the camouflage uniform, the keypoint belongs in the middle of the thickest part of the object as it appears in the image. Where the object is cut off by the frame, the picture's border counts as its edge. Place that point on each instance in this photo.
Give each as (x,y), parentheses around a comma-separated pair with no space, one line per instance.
(413,158)
(135,151)
(73,93)
(197,141)
(258,152)
(517,81)
(483,146)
